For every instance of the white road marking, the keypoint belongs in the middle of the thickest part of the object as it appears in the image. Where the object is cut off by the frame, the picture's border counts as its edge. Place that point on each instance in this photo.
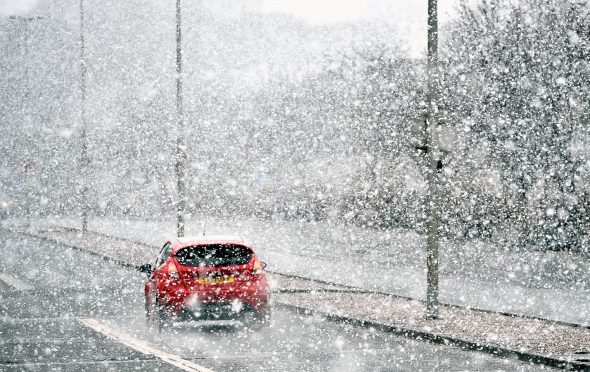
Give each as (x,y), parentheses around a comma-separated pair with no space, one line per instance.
(14,282)
(142,347)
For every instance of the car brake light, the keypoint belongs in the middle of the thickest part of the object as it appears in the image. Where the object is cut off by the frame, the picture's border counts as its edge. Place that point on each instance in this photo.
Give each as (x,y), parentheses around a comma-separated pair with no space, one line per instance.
(172,270)
(257,268)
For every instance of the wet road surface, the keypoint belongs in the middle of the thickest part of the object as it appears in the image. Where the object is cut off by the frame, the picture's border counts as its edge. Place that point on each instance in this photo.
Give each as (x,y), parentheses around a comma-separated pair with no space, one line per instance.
(65,310)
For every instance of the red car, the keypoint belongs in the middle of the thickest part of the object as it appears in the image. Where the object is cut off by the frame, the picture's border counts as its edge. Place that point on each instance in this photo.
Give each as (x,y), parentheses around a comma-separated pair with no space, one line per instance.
(206,278)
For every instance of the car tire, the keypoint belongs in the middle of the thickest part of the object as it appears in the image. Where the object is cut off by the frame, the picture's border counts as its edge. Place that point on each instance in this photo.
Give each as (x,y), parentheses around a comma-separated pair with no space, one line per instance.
(267,318)
(254,321)
(163,318)
(250,320)
(148,312)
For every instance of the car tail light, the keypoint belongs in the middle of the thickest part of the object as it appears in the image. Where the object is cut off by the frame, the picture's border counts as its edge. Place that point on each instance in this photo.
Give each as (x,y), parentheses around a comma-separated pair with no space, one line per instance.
(256,268)
(172,270)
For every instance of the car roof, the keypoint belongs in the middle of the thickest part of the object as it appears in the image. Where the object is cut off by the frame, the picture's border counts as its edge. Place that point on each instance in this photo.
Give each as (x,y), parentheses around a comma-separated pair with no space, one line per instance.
(210,239)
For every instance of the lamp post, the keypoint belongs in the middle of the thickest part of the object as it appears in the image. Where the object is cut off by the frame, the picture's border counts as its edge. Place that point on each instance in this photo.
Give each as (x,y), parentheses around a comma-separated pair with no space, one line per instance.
(180,155)
(84,158)
(434,165)
(28,167)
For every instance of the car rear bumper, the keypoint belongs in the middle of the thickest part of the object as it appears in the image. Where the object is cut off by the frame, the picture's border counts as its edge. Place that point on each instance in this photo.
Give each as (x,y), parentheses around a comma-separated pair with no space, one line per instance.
(214,311)
(216,302)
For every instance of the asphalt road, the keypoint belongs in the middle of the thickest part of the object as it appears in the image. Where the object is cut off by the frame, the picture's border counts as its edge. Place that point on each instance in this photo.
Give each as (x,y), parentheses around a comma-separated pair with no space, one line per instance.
(474,274)
(63,309)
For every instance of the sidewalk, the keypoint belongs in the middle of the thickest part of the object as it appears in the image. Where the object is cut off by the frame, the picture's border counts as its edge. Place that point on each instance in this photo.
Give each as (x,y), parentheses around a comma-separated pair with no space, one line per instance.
(547,285)
(545,342)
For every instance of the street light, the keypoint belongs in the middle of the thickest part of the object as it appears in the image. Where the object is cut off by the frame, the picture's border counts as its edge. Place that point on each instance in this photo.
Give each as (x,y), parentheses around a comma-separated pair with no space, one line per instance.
(434,165)
(84,159)
(28,166)
(180,155)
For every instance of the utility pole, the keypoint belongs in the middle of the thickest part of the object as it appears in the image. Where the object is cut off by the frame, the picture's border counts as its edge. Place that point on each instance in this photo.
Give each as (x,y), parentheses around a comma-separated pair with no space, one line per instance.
(84,158)
(180,147)
(434,165)
(28,170)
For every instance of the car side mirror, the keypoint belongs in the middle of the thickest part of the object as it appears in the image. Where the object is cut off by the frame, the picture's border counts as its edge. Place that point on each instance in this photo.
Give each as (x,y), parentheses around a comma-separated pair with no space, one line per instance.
(146,268)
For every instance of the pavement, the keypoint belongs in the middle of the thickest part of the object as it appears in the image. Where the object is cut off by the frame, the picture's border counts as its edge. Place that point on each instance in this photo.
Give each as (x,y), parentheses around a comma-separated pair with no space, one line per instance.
(64,309)
(551,343)
(472,273)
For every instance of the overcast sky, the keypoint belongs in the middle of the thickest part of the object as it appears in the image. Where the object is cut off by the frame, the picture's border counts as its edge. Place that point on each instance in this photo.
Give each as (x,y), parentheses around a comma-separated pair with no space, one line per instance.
(236,45)
(408,16)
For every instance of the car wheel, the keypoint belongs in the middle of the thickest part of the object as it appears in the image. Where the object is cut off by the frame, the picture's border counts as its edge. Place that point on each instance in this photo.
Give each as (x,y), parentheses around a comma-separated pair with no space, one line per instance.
(250,320)
(254,321)
(148,312)
(267,318)
(163,318)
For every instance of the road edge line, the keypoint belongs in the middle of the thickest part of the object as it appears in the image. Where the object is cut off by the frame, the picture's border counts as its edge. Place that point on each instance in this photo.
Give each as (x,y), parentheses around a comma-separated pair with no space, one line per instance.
(353,288)
(137,345)
(405,332)
(15,282)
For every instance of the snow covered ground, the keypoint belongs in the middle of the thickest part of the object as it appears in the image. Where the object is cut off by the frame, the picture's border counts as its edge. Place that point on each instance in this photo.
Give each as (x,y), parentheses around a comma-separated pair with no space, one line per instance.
(545,284)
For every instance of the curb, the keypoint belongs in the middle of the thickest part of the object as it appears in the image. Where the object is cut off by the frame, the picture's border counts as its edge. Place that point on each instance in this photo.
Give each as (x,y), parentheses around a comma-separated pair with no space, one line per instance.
(443,340)
(358,290)
(397,330)
(73,247)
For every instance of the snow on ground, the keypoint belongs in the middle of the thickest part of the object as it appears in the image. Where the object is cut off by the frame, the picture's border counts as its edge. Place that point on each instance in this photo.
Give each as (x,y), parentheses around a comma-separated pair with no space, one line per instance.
(477,274)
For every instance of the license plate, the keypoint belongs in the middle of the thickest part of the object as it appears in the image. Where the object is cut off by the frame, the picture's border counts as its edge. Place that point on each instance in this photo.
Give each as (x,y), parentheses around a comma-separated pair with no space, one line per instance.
(216,279)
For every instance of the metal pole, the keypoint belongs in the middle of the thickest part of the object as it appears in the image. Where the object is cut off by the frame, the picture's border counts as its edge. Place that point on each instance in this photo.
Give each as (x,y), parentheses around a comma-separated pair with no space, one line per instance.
(84,159)
(433,166)
(27,114)
(180,148)
(27,109)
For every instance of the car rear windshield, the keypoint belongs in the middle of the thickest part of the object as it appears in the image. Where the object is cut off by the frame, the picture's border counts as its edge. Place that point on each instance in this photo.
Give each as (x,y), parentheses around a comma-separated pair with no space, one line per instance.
(214,255)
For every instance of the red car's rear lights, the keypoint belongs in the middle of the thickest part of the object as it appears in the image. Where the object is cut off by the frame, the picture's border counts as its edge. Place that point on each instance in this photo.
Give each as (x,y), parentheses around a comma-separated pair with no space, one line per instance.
(172,270)
(224,278)
(257,268)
